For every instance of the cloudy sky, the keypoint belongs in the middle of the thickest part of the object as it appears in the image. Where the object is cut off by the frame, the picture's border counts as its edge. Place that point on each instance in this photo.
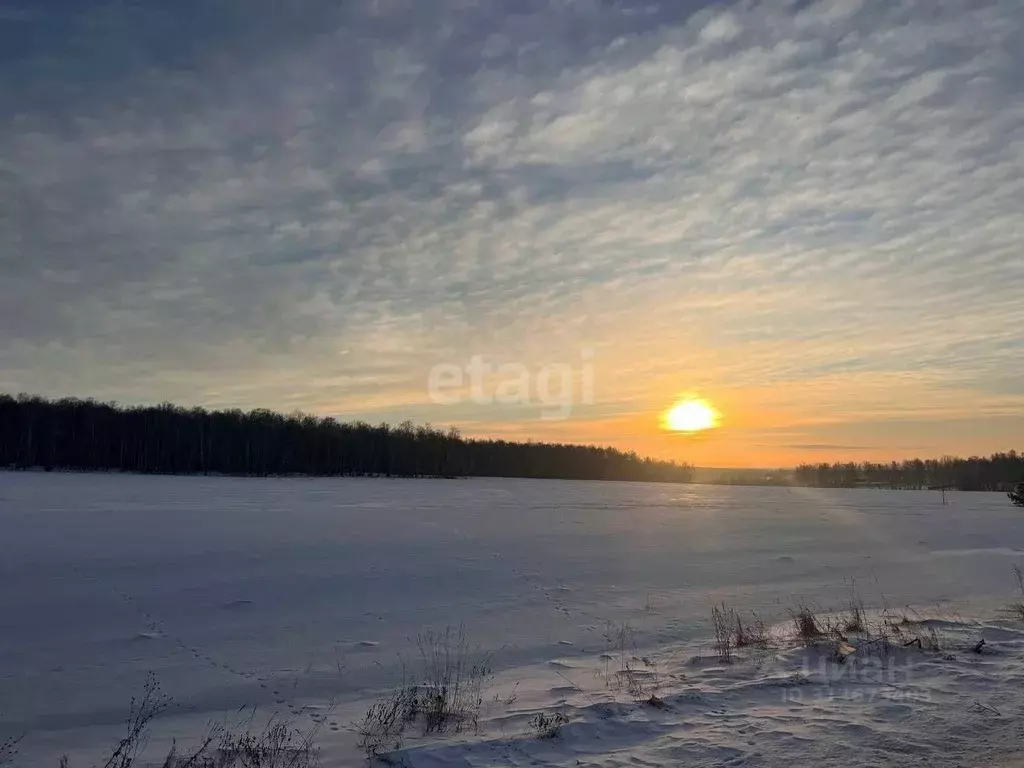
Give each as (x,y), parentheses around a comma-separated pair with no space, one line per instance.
(809,213)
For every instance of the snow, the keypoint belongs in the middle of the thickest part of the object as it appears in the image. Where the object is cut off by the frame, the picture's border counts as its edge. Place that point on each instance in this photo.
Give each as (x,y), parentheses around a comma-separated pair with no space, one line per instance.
(298,595)
(797,707)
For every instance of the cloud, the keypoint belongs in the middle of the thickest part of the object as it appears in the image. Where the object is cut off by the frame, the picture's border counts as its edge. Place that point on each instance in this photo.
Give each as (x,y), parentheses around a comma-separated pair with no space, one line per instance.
(830,448)
(811,197)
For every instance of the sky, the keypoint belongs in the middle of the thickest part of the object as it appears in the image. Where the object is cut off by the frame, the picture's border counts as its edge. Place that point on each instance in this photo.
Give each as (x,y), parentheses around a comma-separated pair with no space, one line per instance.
(807,213)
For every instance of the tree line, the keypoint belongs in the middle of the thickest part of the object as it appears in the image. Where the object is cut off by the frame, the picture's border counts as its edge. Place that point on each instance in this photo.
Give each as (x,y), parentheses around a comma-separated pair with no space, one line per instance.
(77,434)
(998,472)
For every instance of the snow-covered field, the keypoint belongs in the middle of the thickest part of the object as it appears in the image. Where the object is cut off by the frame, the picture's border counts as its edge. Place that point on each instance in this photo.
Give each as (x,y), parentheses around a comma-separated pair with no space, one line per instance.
(299,595)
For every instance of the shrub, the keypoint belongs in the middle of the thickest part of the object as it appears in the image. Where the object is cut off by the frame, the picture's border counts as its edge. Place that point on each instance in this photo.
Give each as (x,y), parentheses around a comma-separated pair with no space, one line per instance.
(1017,495)
(549,726)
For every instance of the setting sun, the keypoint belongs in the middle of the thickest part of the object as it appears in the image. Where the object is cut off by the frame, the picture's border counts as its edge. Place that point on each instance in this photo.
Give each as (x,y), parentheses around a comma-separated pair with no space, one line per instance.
(691,416)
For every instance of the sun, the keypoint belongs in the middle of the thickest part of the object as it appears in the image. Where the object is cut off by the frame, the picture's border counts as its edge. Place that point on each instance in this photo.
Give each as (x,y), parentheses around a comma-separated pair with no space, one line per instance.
(691,416)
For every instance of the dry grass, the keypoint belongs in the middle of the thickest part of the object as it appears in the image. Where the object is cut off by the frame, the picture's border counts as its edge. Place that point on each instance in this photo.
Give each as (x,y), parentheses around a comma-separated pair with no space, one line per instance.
(904,631)
(1016,610)
(854,620)
(855,630)
(805,624)
(618,641)
(889,630)
(382,728)
(140,713)
(732,631)
(277,745)
(549,726)
(448,696)
(643,683)
(454,677)
(723,621)
(638,675)
(753,634)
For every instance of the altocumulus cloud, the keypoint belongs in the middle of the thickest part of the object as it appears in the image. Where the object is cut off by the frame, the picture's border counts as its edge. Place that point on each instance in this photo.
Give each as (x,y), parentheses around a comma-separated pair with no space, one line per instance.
(310,203)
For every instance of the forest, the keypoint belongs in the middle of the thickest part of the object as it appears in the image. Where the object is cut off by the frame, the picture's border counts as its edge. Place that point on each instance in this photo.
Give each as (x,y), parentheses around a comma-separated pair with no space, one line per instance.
(86,435)
(998,472)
